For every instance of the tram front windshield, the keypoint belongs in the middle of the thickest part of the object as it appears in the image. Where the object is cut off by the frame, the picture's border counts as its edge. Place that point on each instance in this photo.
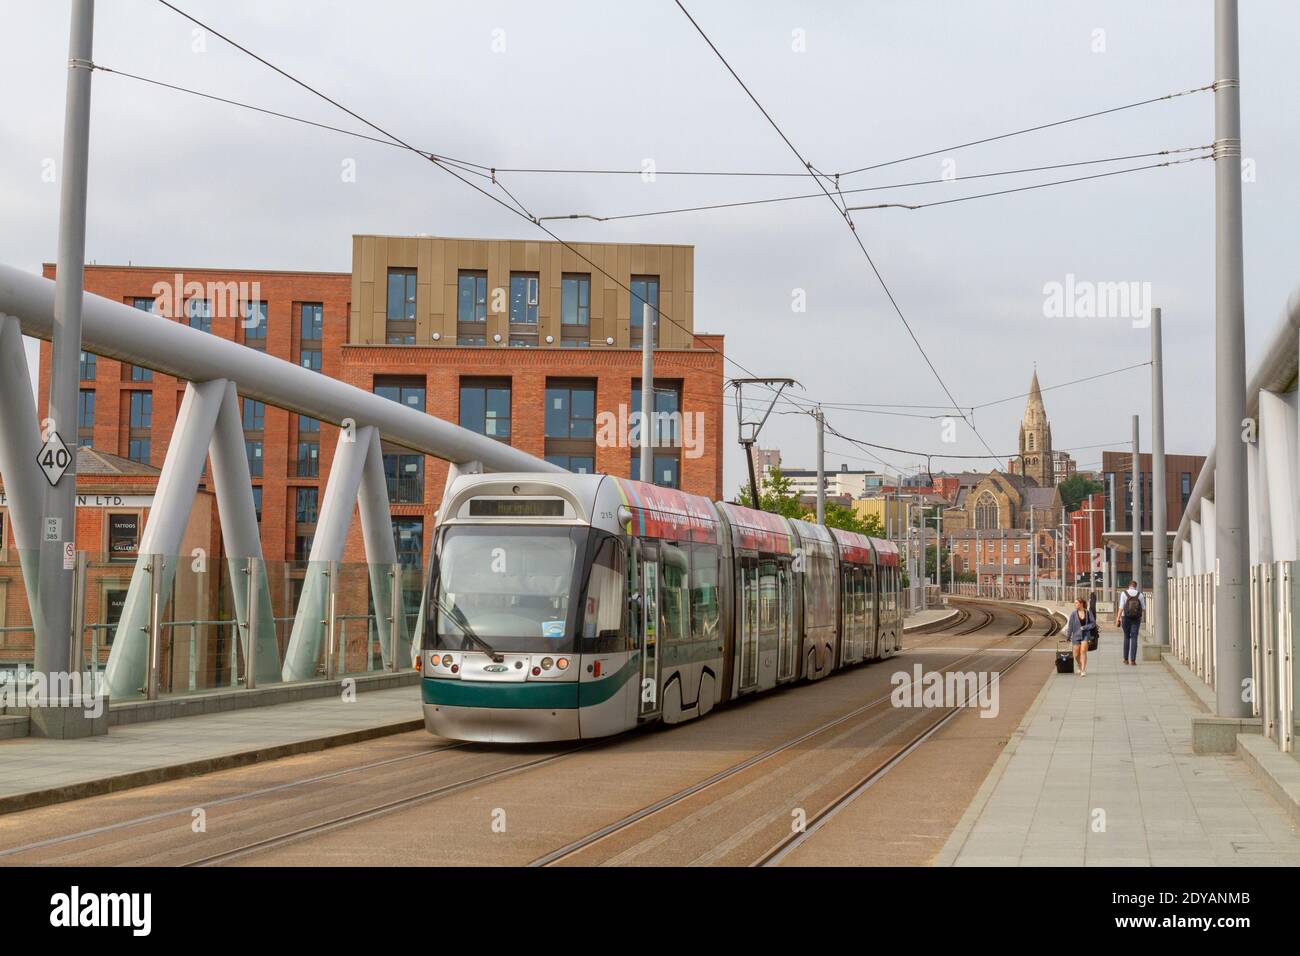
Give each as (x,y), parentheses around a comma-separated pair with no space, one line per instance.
(505,588)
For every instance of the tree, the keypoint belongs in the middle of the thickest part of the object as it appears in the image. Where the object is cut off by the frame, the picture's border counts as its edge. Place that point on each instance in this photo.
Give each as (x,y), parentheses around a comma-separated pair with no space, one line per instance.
(777,498)
(1075,489)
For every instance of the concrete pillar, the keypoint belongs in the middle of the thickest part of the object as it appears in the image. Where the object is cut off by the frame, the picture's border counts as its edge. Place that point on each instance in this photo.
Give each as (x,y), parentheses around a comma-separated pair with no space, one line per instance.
(20,440)
(241,536)
(332,524)
(381,549)
(126,671)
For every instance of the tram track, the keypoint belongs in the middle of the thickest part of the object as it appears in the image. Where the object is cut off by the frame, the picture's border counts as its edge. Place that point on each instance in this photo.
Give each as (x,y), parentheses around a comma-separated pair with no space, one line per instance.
(868,713)
(788,845)
(146,828)
(310,806)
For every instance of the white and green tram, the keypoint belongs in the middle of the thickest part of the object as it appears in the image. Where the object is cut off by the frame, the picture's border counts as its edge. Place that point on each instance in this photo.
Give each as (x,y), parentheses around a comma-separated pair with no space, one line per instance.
(562,607)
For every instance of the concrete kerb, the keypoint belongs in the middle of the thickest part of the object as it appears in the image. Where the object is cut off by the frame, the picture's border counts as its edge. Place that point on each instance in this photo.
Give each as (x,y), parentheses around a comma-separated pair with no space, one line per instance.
(948,615)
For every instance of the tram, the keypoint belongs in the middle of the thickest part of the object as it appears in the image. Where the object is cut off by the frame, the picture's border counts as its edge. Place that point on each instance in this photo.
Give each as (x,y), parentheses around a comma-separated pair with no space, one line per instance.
(562,607)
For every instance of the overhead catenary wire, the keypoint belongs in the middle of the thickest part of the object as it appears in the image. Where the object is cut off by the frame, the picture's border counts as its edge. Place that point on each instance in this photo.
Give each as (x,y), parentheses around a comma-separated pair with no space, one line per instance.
(843,212)
(445,167)
(1021,189)
(743,203)
(455,167)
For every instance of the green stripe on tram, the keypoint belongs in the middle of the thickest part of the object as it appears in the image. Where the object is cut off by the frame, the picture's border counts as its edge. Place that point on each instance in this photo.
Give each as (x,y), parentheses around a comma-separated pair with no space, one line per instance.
(538,695)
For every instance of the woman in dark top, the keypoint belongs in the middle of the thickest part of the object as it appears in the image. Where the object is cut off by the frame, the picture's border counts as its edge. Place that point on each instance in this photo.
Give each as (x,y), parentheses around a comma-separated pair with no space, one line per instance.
(1079,630)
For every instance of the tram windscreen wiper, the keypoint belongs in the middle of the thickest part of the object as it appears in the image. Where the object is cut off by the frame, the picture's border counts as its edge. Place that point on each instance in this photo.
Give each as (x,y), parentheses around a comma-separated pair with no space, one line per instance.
(457,617)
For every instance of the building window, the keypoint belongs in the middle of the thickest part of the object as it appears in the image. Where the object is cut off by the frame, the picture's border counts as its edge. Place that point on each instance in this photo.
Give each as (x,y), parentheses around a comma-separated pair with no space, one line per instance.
(253,448)
(254,415)
(308,424)
(198,312)
(302,547)
(123,535)
(311,359)
(257,502)
(524,297)
(134,372)
(254,323)
(485,408)
(139,449)
(307,462)
(666,473)
(477,341)
(405,475)
(306,505)
(405,391)
(141,410)
(575,311)
(575,300)
(986,512)
(645,293)
(401,299)
(85,416)
(311,322)
(571,426)
(87,366)
(1186,487)
(408,535)
(667,413)
(471,297)
(571,411)
(578,464)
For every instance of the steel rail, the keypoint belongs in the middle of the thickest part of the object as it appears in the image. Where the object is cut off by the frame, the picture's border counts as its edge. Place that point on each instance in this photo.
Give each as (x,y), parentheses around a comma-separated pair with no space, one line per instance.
(623,823)
(788,845)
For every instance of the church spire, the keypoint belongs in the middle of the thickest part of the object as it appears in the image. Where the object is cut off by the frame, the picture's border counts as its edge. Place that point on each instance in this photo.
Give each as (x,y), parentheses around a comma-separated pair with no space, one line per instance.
(1036,437)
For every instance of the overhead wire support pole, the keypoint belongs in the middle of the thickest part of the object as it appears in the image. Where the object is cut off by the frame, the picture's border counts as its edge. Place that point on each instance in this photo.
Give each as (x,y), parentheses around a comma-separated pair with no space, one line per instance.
(1159,505)
(647,394)
(1135,500)
(821,465)
(53,617)
(747,432)
(1232,547)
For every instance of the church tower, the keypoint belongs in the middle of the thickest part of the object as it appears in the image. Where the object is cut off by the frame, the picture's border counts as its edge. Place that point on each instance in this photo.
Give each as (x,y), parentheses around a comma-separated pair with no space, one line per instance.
(1036,439)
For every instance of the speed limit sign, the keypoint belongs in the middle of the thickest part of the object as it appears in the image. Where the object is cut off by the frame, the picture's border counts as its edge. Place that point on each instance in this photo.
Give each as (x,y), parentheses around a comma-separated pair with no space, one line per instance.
(54,458)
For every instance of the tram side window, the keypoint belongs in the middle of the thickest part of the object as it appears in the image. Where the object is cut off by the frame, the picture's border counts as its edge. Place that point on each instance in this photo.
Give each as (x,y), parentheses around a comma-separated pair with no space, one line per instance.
(819,591)
(704,592)
(602,622)
(674,586)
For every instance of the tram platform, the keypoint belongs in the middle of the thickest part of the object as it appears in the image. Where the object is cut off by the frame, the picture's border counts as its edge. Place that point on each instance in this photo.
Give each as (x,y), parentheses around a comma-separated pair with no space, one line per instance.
(36,771)
(1101,772)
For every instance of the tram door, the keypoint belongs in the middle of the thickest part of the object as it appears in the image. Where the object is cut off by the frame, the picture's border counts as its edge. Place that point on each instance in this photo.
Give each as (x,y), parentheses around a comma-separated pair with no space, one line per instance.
(649,693)
(785,635)
(748,623)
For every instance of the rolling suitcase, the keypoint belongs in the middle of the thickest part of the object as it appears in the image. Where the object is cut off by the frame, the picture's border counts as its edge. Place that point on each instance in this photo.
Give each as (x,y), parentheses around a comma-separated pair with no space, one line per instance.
(1064,658)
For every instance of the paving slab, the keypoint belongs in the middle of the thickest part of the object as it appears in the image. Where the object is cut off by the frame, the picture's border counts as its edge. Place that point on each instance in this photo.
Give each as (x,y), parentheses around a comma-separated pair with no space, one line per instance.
(35,771)
(1101,772)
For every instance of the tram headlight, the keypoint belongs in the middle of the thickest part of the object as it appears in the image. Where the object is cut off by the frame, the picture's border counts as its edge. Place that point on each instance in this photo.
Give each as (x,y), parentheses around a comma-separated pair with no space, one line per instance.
(547,663)
(447,660)
(562,663)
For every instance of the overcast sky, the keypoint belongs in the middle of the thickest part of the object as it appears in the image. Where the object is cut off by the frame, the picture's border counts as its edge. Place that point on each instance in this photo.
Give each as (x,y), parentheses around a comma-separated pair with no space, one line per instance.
(179,181)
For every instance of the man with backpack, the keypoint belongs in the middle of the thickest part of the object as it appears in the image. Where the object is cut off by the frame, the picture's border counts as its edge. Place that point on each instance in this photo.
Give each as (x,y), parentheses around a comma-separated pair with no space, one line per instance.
(1128,615)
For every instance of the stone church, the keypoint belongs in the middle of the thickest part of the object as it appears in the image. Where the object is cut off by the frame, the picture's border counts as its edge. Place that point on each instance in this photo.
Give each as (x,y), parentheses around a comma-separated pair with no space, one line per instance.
(1006,500)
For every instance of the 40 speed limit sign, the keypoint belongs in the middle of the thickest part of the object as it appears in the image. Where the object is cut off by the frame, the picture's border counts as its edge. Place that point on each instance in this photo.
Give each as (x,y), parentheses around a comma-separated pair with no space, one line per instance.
(54,458)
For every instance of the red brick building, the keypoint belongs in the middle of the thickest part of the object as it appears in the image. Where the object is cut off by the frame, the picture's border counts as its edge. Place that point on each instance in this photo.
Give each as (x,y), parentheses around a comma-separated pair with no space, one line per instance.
(114,496)
(523,341)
